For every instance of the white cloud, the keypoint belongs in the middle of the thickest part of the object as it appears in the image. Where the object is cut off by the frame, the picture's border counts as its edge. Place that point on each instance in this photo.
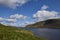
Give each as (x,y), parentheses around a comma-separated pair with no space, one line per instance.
(7,22)
(44,14)
(13,3)
(7,19)
(1,19)
(11,20)
(18,16)
(44,7)
(27,22)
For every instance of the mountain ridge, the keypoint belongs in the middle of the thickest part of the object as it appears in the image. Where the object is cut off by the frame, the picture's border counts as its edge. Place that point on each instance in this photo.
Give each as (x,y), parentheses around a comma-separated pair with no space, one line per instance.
(50,23)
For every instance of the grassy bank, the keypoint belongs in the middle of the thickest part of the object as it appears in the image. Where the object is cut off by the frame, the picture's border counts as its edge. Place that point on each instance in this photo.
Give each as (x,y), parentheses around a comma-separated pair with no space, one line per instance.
(11,33)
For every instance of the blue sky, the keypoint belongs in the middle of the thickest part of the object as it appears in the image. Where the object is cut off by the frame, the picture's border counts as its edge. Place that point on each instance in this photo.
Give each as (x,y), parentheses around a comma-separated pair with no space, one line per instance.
(28,8)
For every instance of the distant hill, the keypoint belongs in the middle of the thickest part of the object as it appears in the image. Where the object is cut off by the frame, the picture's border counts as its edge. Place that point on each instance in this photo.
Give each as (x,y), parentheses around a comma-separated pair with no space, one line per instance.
(50,23)
(11,33)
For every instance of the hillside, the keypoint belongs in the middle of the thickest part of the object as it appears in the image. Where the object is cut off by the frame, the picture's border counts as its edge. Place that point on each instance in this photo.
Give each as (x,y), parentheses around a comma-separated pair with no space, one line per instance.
(11,33)
(50,23)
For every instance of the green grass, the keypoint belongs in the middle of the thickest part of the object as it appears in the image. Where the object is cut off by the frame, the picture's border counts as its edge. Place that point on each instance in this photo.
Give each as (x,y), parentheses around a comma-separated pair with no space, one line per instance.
(11,33)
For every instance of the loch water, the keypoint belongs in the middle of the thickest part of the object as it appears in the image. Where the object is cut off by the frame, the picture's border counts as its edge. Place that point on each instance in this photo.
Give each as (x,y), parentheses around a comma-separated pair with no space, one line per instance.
(49,34)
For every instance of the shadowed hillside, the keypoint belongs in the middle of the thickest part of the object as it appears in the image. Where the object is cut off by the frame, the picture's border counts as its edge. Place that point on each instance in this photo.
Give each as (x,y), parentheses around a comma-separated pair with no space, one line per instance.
(51,23)
(11,33)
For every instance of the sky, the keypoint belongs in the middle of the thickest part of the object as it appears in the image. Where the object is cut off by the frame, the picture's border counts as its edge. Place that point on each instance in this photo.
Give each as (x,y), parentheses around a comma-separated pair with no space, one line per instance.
(24,12)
